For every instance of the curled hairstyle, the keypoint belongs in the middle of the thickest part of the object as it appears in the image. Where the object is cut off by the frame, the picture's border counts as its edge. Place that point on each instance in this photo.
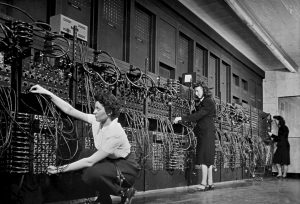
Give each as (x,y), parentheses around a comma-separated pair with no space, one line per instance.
(110,103)
(280,119)
(206,90)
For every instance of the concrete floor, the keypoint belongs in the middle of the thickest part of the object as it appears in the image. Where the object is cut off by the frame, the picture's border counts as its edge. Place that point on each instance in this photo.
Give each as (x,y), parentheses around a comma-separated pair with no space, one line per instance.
(266,191)
(269,190)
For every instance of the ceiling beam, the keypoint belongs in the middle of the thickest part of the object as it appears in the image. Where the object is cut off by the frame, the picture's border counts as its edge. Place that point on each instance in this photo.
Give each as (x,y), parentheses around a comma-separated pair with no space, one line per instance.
(261,34)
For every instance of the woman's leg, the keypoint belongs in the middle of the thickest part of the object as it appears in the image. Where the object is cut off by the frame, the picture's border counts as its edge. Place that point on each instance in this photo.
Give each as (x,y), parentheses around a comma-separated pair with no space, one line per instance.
(204,175)
(210,175)
(101,177)
(285,169)
(203,183)
(279,170)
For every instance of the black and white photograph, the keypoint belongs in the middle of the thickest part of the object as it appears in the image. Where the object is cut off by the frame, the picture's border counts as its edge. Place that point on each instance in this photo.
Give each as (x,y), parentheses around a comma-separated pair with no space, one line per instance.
(149,101)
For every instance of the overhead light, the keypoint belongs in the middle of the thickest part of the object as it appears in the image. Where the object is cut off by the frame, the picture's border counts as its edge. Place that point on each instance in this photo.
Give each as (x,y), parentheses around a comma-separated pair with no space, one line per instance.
(188,78)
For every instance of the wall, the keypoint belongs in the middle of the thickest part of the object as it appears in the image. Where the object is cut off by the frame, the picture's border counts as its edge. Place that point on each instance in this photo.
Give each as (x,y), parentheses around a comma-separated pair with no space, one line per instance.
(281,87)
(188,24)
(279,84)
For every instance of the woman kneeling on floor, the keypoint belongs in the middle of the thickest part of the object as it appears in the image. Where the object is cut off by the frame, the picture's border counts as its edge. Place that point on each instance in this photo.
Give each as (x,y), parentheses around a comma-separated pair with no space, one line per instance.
(111,169)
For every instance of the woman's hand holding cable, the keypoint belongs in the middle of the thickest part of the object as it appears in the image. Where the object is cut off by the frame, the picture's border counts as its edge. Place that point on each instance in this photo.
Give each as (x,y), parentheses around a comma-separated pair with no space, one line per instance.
(38,89)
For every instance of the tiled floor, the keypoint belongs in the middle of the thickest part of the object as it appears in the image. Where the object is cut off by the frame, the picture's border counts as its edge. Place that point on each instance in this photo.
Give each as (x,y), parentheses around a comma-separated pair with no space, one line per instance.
(267,191)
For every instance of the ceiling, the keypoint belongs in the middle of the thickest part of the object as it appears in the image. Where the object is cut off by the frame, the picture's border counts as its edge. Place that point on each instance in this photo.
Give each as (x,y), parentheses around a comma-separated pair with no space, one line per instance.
(267,32)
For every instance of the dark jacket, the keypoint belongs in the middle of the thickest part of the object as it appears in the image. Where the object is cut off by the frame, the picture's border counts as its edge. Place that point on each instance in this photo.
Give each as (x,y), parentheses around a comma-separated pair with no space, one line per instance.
(282,138)
(204,115)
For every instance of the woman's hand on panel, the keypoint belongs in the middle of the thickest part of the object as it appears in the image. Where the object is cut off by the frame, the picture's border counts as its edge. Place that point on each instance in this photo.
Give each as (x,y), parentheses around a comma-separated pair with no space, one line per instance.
(176,120)
(39,89)
(52,170)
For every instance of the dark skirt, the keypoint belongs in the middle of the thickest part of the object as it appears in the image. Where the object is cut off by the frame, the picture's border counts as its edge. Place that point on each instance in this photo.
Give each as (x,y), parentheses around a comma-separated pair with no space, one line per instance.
(103,175)
(205,149)
(282,155)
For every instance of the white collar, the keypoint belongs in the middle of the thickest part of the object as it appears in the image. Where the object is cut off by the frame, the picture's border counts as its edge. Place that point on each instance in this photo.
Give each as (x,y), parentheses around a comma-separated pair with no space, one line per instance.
(113,122)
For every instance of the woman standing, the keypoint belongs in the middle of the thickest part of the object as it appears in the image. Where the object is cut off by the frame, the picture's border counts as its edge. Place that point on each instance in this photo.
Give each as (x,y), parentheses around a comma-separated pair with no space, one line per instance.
(282,154)
(112,157)
(205,130)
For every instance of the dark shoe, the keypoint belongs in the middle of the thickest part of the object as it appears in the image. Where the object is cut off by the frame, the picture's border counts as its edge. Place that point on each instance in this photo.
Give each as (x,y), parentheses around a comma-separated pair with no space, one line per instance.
(210,187)
(201,187)
(102,198)
(279,176)
(128,196)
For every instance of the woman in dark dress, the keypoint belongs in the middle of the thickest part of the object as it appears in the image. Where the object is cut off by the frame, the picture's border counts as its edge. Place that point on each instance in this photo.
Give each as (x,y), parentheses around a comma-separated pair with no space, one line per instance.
(205,132)
(282,154)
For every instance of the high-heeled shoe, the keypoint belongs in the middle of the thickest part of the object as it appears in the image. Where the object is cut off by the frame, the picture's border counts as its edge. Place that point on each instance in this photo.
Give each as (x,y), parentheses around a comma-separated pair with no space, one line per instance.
(201,187)
(128,196)
(211,187)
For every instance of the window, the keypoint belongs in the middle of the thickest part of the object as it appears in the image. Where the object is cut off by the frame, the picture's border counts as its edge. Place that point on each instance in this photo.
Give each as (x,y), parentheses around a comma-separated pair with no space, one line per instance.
(245,84)
(236,79)
(214,74)
(201,61)
(166,71)
(142,39)
(110,31)
(244,102)
(217,76)
(166,42)
(235,99)
(184,54)
(225,80)
(228,84)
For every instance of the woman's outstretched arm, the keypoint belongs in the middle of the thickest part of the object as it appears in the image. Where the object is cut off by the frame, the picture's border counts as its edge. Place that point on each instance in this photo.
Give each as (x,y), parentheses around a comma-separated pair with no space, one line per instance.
(60,103)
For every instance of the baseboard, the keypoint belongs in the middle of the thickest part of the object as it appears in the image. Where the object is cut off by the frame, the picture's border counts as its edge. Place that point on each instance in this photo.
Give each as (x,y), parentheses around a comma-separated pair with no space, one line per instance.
(293,175)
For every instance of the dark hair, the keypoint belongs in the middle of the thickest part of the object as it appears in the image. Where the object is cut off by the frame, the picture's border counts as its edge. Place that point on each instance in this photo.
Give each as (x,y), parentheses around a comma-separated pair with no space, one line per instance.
(109,102)
(280,119)
(206,90)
